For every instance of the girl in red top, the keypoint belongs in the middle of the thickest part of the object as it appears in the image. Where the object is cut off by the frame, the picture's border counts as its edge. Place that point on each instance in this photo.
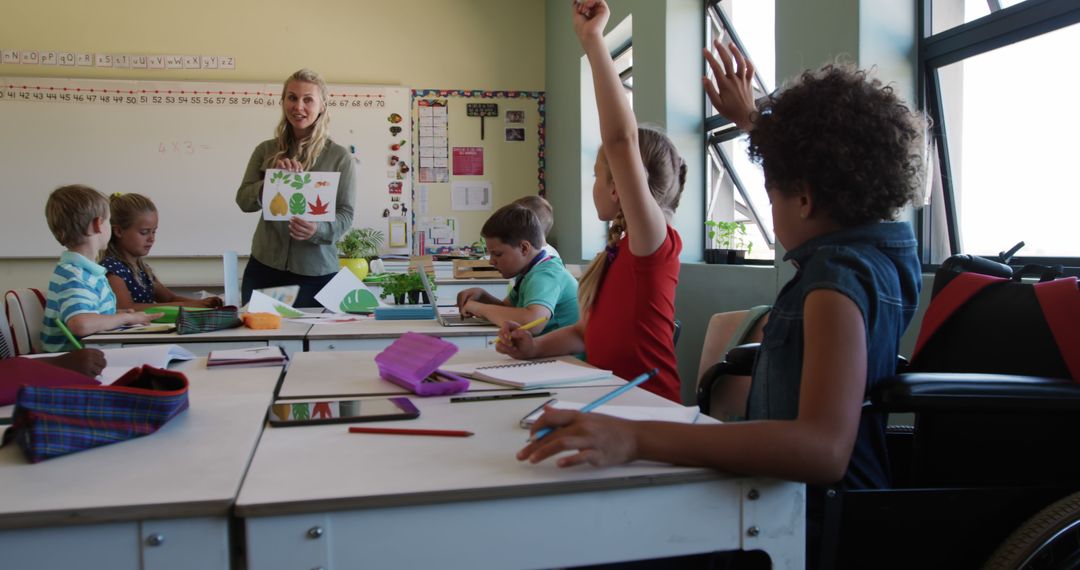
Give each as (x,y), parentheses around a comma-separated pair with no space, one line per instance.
(627,294)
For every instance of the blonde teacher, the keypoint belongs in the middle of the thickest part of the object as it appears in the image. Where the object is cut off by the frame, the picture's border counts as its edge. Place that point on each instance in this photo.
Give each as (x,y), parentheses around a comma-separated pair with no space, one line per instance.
(297,252)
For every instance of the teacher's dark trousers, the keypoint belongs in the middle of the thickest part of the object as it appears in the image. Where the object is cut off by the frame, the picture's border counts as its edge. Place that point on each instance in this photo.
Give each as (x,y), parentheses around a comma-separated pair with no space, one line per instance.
(260,276)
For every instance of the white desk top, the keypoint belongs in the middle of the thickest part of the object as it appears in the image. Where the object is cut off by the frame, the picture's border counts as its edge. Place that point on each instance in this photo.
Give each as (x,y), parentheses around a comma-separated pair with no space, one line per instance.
(371,328)
(325,468)
(288,331)
(192,466)
(354,373)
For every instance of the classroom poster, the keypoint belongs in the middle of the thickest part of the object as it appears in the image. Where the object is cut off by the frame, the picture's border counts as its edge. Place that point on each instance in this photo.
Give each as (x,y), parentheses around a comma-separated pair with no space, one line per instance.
(468,161)
(470,195)
(434,145)
(311,196)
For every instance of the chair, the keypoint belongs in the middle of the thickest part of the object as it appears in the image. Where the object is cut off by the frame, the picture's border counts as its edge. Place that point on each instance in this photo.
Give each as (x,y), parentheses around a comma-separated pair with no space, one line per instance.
(972,478)
(25,310)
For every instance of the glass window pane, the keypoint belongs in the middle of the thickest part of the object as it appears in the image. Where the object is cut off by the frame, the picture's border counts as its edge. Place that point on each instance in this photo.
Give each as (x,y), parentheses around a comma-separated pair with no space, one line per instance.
(1011,130)
(951,13)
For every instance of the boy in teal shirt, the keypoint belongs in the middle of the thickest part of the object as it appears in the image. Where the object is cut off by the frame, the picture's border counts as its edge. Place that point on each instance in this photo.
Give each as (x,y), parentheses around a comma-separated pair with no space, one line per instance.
(79,293)
(543,288)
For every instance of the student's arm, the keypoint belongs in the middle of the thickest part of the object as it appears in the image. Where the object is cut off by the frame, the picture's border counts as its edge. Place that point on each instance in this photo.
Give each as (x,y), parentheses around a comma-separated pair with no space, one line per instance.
(522,345)
(86,324)
(619,133)
(815,447)
(479,295)
(86,361)
(166,296)
(162,295)
(731,90)
(501,313)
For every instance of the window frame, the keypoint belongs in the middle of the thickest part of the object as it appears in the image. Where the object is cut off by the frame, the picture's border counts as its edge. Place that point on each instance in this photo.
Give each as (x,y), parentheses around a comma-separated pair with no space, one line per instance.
(1000,28)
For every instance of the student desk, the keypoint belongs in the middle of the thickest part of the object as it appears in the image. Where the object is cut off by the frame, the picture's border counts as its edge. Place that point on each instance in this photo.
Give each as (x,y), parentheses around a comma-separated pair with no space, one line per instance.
(354,373)
(160,501)
(371,334)
(289,337)
(320,497)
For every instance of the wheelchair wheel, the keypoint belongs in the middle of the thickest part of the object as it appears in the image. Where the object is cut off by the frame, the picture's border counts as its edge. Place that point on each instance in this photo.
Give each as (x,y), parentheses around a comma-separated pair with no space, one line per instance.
(1050,539)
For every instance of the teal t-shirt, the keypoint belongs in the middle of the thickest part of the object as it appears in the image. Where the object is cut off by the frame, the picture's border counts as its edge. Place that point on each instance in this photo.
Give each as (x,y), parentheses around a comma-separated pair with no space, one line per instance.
(551,286)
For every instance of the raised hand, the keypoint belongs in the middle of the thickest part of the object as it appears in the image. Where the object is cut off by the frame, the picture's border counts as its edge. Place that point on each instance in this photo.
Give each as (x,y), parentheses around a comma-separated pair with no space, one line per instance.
(590,18)
(731,89)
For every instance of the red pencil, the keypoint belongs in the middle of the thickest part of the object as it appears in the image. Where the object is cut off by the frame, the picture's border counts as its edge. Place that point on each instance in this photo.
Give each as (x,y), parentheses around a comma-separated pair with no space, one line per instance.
(405,431)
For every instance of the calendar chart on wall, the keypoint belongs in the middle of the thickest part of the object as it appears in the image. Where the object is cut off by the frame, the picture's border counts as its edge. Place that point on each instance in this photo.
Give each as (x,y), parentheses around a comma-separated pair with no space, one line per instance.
(185,145)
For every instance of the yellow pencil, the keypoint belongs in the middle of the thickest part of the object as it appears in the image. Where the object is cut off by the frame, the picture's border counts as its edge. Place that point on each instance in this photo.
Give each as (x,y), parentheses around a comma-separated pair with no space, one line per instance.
(527,326)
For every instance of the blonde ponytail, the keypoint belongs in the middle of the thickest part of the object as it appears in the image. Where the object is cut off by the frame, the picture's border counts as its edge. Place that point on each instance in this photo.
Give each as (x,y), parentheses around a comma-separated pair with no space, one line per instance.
(594,273)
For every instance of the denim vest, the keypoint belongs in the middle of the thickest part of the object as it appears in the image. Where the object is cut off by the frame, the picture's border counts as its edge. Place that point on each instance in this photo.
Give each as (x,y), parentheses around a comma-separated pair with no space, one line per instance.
(877,268)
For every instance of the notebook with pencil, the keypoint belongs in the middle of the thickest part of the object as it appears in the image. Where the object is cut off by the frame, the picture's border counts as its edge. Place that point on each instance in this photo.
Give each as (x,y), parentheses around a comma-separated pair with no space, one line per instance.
(530,374)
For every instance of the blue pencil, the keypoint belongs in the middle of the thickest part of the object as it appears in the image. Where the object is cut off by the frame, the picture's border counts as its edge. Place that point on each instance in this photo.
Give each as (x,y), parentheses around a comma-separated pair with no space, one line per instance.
(603,400)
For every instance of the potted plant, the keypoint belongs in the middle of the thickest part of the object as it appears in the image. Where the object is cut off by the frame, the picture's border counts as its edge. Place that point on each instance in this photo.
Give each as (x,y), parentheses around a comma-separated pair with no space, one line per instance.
(731,241)
(357,247)
(402,286)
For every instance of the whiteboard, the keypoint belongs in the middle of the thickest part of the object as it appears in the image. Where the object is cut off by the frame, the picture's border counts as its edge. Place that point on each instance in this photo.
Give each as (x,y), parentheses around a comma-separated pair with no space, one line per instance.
(185,145)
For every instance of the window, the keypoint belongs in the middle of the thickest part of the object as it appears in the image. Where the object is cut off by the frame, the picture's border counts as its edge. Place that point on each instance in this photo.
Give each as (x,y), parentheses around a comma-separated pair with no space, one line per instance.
(623,56)
(735,187)
(999,86)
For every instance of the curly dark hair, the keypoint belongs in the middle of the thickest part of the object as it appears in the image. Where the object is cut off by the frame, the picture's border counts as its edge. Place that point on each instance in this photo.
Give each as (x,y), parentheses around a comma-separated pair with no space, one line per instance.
(849,138)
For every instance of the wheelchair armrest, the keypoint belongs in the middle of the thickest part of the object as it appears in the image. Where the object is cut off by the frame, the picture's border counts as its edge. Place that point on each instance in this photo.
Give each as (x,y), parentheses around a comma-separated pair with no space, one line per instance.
(975,393)
(739,361)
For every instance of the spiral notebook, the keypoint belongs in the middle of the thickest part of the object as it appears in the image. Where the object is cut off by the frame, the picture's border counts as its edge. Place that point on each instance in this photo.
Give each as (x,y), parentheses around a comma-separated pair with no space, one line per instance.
(529,374)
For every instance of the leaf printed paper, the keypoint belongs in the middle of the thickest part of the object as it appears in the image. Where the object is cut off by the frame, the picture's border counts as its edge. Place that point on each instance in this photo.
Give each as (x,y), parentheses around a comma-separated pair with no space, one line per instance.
(308,195)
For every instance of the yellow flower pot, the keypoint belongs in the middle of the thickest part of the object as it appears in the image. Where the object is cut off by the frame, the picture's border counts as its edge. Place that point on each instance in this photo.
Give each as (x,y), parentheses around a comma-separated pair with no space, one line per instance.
(358,265)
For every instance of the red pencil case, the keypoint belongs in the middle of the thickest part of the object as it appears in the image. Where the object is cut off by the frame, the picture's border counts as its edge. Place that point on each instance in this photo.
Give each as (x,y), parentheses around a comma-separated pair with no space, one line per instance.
(412,360)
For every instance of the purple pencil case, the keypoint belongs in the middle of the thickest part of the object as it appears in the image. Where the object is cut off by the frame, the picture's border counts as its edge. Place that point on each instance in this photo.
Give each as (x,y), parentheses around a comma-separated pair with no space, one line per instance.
(410,361)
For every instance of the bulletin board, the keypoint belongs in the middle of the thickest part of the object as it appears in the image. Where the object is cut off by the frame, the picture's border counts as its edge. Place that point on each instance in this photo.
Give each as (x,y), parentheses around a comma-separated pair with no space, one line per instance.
(185,145)
(461,175)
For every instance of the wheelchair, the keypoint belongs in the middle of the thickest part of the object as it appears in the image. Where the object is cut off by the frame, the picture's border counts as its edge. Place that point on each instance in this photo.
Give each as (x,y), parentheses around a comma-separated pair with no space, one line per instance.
(986,476)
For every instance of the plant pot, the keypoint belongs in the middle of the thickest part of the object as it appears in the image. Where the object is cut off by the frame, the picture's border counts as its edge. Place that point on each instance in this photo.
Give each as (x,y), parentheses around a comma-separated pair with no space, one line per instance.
(399,299)
(424,298)
(358,265)
(414,297)
(725,256)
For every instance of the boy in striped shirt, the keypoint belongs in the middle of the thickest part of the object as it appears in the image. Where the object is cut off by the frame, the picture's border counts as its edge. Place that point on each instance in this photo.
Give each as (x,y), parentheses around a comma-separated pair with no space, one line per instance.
(79,293)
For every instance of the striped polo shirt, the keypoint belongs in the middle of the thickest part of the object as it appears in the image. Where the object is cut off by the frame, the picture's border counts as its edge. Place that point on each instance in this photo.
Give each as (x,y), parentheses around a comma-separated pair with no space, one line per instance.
(77,286)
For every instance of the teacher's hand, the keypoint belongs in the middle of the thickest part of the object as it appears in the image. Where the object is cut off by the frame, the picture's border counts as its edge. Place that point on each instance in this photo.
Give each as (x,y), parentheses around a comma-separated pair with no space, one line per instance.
(301,229)
(288,164)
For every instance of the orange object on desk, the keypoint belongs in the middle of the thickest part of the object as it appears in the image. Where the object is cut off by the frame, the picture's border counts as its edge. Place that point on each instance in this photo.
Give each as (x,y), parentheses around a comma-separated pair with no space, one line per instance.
(262,321)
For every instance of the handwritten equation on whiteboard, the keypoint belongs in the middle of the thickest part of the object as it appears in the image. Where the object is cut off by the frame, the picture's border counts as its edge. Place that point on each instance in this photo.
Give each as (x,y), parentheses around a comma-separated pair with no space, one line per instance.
(206,98)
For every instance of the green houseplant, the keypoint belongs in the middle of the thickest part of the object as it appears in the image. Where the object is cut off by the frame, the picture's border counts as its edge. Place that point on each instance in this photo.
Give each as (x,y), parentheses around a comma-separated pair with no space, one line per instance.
(405,285)
(730,240)
(357,247)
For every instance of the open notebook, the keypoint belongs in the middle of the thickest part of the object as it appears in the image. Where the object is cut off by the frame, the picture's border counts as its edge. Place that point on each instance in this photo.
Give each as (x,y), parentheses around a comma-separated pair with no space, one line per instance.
(529,374)
(120,360)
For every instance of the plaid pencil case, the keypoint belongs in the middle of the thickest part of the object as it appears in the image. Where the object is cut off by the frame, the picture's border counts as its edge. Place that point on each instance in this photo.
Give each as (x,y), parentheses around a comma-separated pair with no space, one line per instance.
(53,421)
(412,362)
(190,321)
